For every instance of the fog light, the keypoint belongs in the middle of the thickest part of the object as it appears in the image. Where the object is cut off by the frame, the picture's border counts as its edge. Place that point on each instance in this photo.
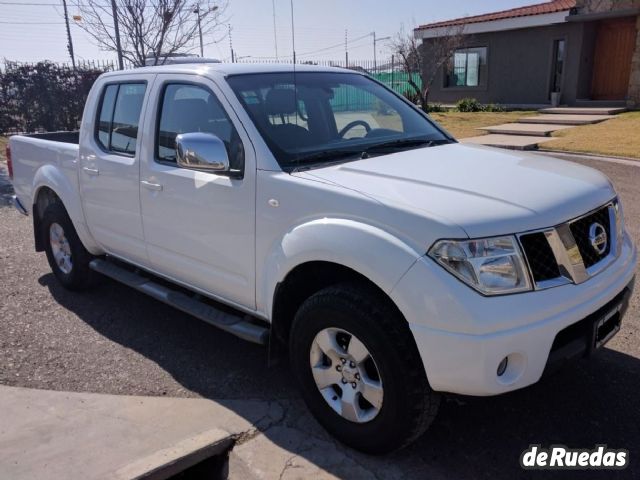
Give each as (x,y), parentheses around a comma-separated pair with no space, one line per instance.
(502,366)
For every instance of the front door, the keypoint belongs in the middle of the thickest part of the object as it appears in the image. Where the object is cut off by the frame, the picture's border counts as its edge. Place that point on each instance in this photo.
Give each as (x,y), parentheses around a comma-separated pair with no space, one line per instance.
(199,226)
(110,168)
(615,41)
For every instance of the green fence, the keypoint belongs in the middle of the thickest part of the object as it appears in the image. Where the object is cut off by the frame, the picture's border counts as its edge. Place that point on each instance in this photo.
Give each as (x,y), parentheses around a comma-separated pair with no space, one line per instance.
(398,81)
(355,99)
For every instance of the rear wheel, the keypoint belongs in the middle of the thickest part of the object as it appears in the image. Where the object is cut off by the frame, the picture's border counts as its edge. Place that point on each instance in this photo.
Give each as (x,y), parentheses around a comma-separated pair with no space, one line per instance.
(67,257)
(359,369)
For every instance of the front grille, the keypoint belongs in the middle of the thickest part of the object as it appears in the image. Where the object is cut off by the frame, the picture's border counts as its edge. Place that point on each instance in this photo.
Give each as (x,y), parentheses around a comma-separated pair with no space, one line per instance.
(551,253)
(540,256)
(580,231)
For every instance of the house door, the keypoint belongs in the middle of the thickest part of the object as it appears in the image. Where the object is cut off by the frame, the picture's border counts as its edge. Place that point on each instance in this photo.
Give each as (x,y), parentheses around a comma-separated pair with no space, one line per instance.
(615,42)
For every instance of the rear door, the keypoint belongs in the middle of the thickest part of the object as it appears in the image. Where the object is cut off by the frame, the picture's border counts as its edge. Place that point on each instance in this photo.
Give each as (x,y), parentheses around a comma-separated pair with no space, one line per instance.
(199,226)
(109,167)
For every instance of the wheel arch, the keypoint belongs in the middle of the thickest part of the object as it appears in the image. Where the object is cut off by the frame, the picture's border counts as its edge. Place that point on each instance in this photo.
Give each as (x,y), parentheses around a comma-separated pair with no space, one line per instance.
(303,281)
(51,185)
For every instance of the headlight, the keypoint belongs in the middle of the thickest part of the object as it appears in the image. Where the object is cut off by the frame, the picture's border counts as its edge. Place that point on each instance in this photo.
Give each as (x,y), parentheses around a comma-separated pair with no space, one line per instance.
(619,219)
(493,266)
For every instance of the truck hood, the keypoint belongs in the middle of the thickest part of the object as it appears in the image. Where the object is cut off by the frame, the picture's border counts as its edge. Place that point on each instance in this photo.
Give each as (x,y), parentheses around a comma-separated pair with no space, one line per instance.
(483,190)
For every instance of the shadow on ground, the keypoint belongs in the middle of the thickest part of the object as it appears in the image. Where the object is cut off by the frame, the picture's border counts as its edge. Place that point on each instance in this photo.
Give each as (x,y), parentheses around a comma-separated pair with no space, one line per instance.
(587,403)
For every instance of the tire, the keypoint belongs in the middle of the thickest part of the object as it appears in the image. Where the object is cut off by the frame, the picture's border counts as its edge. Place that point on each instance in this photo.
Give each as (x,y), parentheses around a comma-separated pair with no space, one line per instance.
(74,274)
(408,405)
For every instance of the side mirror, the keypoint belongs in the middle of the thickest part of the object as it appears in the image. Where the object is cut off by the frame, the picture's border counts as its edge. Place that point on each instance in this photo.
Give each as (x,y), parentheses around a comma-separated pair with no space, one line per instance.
(202,151)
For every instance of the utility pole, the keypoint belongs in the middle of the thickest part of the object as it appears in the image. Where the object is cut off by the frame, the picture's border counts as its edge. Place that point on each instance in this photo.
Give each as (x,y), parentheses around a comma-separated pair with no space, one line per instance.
(197,12)
(233,60)
(293,35)
(275,37)
(116,28)
(70,43)
(346,51)
(375,41)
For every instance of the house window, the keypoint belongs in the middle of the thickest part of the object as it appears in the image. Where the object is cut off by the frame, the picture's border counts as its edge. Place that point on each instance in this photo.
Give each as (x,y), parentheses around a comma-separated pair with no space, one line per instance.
(466,67)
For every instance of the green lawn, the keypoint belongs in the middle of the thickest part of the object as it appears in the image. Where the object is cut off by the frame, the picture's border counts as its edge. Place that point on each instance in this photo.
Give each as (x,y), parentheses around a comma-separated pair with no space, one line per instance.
(464,124)
(618,137)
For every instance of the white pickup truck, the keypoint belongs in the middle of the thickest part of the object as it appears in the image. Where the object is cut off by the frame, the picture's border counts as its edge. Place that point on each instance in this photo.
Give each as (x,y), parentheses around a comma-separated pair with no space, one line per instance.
(315,210)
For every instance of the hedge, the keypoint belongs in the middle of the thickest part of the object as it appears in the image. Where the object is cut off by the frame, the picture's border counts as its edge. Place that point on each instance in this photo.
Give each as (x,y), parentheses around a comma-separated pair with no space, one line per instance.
(44,96)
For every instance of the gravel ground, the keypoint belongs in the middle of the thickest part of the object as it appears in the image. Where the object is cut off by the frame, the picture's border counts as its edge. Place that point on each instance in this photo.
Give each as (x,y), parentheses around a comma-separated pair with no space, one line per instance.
(115,340)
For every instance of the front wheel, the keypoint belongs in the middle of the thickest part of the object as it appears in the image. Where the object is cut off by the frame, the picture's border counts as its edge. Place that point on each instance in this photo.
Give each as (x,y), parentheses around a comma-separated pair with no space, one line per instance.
(67,257)
(359,369)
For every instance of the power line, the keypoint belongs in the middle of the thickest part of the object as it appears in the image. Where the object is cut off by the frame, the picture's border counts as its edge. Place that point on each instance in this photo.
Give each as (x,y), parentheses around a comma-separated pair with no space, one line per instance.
(33,23)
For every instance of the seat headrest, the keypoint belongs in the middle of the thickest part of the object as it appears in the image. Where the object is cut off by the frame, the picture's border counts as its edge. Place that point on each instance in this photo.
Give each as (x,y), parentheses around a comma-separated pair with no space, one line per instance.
(280,101)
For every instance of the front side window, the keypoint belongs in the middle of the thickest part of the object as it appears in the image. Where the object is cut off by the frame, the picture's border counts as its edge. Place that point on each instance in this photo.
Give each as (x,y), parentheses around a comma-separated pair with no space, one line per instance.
(466,67)
(310,117)
(188,108)
(119,117)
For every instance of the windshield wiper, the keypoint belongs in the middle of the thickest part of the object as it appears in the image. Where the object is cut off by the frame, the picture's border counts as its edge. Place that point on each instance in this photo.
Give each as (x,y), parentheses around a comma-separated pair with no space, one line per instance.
(324,155)
(403,143)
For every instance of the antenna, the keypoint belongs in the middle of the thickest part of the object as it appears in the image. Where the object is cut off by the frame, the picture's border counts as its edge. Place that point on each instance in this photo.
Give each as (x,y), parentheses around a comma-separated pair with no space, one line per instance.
(293,37)
(295,80)
(275,36)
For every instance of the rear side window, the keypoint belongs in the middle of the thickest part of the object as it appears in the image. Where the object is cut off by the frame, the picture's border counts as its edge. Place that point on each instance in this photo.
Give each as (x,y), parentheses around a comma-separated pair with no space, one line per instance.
(119,117)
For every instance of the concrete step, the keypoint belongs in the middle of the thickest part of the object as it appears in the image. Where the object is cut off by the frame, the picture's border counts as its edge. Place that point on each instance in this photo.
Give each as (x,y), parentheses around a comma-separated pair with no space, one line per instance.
(533,129)
(601,103)
(584,110)
(511,142)
(564,119)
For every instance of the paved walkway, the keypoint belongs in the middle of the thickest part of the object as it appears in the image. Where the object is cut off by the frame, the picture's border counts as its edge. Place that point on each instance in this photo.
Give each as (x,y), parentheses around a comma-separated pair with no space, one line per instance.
(61,435)
(65,435)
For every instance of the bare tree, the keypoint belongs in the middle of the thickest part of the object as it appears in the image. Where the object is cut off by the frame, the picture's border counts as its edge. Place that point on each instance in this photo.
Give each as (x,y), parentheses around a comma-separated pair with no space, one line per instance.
(151,29)
(426,59)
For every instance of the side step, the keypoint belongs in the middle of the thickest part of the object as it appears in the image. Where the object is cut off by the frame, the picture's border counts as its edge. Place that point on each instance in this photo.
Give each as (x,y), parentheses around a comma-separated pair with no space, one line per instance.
(238,326)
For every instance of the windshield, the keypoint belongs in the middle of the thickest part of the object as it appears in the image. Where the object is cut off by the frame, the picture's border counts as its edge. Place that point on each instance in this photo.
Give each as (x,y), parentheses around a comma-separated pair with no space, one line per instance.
(320,117)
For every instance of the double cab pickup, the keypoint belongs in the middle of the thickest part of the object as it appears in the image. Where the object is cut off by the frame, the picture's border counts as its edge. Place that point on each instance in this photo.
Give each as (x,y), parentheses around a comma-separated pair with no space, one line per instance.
(316,211)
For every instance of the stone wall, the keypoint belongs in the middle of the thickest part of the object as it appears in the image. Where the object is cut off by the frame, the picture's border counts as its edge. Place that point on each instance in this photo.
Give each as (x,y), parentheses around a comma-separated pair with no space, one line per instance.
(599,6)
(633,98)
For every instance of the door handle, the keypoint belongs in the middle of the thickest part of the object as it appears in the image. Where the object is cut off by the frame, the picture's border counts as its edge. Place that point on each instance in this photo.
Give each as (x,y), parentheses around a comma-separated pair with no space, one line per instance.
(91,171)
(151,186)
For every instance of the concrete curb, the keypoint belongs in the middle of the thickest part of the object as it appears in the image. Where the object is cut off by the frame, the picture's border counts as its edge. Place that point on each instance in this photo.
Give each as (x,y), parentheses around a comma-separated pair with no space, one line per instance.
(177,458)
(62,435)
(594,156)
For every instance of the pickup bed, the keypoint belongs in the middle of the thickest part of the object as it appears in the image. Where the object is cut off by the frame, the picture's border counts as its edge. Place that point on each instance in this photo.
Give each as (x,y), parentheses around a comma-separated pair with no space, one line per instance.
(316,211)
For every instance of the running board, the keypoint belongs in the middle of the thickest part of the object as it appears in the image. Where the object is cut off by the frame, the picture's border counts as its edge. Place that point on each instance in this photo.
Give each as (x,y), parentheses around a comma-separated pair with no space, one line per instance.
(238,326)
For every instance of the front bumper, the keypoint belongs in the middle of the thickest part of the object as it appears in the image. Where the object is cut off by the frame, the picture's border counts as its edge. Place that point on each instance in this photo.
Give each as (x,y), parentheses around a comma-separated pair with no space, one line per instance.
(462,336)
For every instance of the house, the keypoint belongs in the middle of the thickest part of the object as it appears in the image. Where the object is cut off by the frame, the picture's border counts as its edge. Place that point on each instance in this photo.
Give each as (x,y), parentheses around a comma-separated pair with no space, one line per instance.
(587,50)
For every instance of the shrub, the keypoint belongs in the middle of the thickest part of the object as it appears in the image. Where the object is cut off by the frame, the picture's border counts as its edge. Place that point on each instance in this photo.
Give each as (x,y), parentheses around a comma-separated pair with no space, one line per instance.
(435,107)
(468,105)
(472,105)
(493,107)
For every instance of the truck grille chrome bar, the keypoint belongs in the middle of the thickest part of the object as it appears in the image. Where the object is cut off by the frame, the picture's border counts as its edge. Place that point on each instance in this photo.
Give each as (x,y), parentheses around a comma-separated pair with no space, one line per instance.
(574,251)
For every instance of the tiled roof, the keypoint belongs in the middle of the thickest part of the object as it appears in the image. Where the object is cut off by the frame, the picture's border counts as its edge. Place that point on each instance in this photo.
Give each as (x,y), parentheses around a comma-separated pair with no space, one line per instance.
(537,9)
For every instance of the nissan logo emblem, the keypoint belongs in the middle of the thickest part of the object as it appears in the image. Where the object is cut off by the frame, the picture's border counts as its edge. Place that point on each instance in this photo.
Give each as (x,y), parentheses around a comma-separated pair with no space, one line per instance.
(598,238)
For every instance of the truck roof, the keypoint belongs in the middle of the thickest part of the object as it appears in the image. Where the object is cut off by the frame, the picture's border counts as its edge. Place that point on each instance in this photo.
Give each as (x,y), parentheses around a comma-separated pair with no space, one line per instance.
(228,69)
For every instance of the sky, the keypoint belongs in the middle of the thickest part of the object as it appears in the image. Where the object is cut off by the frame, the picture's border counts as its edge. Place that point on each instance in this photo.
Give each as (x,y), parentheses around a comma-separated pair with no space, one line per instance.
(33,30)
